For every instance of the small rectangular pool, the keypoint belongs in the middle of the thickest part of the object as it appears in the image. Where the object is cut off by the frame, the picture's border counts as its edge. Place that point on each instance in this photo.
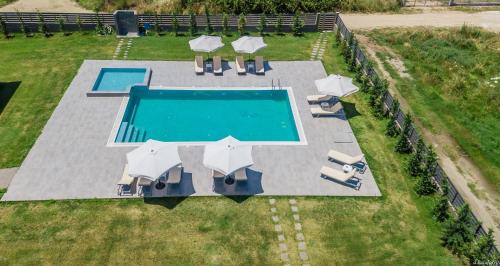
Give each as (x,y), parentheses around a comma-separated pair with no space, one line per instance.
(119,79)
(259,115)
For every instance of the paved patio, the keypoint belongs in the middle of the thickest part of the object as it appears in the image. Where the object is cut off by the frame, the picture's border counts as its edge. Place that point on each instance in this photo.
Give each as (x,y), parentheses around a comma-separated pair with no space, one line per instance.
(70,160)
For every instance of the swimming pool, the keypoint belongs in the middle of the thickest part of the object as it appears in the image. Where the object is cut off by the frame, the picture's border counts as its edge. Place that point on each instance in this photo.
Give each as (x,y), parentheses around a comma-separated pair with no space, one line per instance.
(204,115)
(119,79)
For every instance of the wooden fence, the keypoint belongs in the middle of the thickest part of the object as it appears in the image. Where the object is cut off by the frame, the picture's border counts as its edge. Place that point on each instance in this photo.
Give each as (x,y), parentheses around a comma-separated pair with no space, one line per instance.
(14,20)
(454,197)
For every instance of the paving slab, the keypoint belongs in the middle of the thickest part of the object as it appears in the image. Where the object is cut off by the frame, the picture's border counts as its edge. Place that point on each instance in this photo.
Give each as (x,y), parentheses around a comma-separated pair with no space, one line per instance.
(71,159)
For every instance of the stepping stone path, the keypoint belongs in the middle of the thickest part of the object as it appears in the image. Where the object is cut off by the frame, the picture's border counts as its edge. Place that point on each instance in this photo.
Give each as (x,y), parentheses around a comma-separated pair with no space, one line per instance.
(299,234)
(123,46)
(319,47)
(277,227)
(299,237)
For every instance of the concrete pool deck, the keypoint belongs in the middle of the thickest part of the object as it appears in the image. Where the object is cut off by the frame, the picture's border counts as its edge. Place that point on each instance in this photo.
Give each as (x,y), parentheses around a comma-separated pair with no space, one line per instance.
(70,159)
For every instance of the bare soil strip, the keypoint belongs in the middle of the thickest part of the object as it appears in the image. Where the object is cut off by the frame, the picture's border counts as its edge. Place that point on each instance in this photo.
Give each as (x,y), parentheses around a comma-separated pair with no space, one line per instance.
(63,6)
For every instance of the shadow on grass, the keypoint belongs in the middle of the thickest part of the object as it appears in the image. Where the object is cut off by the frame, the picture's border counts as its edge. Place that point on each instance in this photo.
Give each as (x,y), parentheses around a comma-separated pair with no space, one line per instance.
(350,110)
(169,203)
(7,90)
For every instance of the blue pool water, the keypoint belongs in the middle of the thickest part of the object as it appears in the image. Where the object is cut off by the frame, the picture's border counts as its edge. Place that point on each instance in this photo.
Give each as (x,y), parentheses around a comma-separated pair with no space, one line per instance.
(118,79)
(208,115)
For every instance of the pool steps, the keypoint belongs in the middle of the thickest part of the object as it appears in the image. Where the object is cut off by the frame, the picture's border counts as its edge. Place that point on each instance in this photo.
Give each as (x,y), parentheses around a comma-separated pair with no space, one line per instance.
(129,133)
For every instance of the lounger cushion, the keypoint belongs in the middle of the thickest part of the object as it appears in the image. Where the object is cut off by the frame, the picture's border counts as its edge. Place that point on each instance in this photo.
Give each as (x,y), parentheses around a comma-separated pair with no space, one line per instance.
(344,158)
(336,174)
(126,178)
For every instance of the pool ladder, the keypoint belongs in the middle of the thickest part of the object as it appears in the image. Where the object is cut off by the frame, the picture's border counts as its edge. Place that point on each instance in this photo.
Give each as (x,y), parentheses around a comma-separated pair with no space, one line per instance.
(274,87)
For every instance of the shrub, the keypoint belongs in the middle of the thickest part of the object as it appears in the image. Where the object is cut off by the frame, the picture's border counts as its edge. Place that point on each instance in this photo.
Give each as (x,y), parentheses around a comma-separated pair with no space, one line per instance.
(338,37)
(458,233)
(209,28)
(225,24)
(42,26)
(262,25)
(241,24)
(279,24)
(358,73)
(430,162)
(175,25)
(425,186)
(79,23)
(479,250)
(403,145)
(416,162)
(157,25)
(99,27)
(193,28)
(24,28)
(3,26)
(61,21)
(353,62)
(365,84)
(442,209)
(297,25)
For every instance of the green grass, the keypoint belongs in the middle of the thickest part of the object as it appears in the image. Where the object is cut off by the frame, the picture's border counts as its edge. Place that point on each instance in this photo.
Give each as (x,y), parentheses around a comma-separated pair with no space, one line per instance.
(170,48)
(396,228)
(451,91)
(39,70)
(5,2)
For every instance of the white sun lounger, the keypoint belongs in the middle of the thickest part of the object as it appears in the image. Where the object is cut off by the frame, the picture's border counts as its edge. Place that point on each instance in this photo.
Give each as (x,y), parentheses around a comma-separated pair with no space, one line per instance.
(241,175)
(330,111)
(240,65)
(198,64)
(339,176)
(217,65)
(259,65)
(144,185)
(344,158)
(174,175)
(125,183)
(312,99)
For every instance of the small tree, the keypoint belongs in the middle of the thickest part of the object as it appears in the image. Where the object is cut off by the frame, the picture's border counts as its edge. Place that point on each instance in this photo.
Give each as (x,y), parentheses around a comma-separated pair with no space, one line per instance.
(346,51)
(262,25)
(42,26)
(242,21)
(158,29)
(458,232)
(430,162)
(79,23)
(403,145)
(3,26)
(175,25)
(279,24)
(425,186)
(61,22)
(297,25)
(358,72)
(365,84)
(442,209)
(209,28)
(480,250)
(353,62)
(391,129)
(225,24)
(99,27)
(416,162)
(193,28)
(24,28)
(338,36)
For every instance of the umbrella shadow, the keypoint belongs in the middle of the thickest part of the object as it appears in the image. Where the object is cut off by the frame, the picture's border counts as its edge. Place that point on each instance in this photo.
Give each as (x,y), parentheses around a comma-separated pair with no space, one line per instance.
(183,189)
(225,65)
(168,203)
(350,109)
(7,90)
(252,186)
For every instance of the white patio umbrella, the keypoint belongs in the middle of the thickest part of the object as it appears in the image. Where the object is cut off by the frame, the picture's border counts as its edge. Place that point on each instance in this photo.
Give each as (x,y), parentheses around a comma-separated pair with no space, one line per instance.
(227,155)
(152,159)
(336,85)
(206,44)
(248,45)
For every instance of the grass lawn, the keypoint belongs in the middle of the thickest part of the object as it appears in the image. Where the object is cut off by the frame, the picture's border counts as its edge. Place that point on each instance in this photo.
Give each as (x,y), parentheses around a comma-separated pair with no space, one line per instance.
(396,228)
(453,90)
(170,48)
(38,71)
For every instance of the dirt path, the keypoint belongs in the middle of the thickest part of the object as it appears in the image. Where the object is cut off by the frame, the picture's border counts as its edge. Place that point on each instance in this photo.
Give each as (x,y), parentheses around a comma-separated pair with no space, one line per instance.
(463,173)
(63,6)
(489,20)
